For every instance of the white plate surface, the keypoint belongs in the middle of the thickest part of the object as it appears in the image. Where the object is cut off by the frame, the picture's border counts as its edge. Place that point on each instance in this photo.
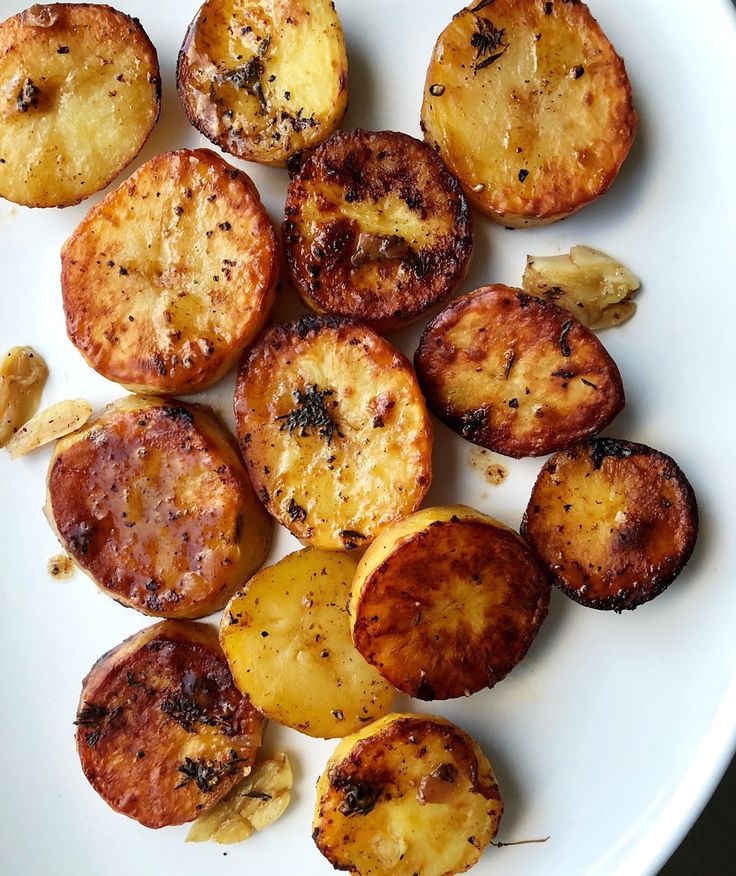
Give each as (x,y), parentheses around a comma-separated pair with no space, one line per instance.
(610,736)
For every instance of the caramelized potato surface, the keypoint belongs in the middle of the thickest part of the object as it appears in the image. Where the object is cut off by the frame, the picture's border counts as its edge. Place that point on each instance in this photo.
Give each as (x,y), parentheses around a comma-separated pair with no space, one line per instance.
(409,794)
(81,93)
(376,228)
(162,731)
(516,374)
(266,79)
(152,500)
(172,275)
(446,602)
(334,430)
(530,106)
(615,522)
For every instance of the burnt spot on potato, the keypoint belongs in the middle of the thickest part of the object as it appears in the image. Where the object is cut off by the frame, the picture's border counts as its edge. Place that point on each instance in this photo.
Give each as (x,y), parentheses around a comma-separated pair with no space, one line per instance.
(614,522)
(162,731)
(376,228)
(153,502)
(516,374)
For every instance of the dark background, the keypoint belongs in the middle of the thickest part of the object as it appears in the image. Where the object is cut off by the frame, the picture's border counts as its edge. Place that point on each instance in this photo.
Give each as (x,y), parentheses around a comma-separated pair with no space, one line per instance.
(710,847)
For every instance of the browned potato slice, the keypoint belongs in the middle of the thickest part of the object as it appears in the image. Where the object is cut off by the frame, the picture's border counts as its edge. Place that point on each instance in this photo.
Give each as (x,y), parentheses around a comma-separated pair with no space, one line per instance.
(152,500)
(286,637)
(460,628)
(162,731)
(408,795)
(376,228)
(615,522)
(530,106)
(334,430)
(516,374)
(81,93)
(167,279)
(265,79)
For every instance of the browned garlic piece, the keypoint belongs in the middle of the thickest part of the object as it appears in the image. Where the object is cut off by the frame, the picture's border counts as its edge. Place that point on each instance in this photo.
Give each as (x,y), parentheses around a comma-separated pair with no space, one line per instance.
(259,800)
(52,423)
(588,283)
(23,375)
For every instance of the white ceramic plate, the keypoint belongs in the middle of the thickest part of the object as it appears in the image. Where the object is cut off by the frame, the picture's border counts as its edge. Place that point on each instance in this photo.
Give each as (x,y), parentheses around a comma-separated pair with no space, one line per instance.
(610,736)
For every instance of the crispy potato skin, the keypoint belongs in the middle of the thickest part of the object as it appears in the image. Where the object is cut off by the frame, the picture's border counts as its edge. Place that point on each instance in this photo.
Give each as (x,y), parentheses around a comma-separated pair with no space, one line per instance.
(615,522)
(171,275)
(382,806)
(162,696)
(334,485)
(267,80)
(364,189)
(531,108)
(460,629)
(516,374)
(152,500)
(97,98)
(286,637)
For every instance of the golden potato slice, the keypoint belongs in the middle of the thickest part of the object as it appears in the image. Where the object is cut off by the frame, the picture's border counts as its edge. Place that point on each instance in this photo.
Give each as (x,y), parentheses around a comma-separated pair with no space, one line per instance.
(152,500)
(376,228)
(410,794)
(162,731)
(530,106)
(23,375)
(615,522)
(167,279)
(81,93)
(334,430)
(460,628)
(264,79)
(516,374)
(287,640)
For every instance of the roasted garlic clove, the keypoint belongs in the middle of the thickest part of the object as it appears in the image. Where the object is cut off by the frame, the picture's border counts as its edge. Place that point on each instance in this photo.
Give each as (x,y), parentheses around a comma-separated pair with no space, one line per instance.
(259,800)
(52,423)
(588,283)
(23,375)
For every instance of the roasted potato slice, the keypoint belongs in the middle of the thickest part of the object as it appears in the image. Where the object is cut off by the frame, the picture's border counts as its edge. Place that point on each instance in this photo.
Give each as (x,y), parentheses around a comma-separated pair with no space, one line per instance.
(615,522)
(167,279)
(464,626)
(287,640)
(409,794)
(334,430)
(376,228)
(516,374)
(81,93)
(162,731)
(264,79)
(530,106)
(152,500)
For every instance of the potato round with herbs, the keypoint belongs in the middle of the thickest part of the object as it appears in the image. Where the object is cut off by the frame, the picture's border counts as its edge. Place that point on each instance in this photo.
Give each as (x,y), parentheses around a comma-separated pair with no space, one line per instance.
(376,228)
(516,374)
(81,93)
(267,79)
(409,794)
(162,731)
(152,500)
(446,602)
(615,522)
(334,430)
(172,275)
(530,106)
(286,637)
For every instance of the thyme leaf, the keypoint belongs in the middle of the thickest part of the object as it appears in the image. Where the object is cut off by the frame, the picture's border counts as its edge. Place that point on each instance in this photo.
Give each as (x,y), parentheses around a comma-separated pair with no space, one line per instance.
(310,412)
(486,39)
